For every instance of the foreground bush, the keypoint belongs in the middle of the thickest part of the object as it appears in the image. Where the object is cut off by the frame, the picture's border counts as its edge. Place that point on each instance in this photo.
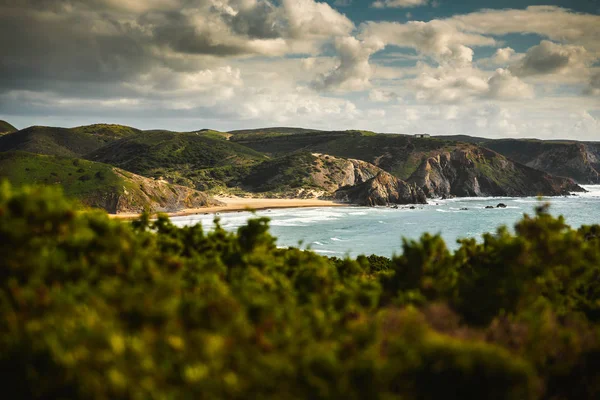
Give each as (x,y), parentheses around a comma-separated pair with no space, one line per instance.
(94,308)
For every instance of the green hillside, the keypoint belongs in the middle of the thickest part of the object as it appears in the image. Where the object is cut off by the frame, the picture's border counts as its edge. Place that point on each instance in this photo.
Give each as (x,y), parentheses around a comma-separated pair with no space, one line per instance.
(106,131)
(72,142)
(96,184)
(180,157)
(577,160)
(5,128)
(397,154)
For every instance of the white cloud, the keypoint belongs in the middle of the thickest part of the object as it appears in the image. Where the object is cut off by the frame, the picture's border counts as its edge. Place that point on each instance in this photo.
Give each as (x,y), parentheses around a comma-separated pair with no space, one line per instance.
(504,86)
(353,71)
(399,3)
(437,39)
(558,24)
(552,58)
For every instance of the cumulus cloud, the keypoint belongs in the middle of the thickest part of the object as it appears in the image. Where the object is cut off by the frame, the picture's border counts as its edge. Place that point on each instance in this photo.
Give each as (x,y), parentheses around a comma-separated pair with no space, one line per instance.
(449,85)
(437,39)
(556,23)
(551,58)
(353,71)
(503,85)
(399,3)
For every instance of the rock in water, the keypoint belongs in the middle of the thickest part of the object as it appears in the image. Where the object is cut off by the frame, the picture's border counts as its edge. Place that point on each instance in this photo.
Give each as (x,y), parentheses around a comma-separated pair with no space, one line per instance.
(489,206)
(501,205)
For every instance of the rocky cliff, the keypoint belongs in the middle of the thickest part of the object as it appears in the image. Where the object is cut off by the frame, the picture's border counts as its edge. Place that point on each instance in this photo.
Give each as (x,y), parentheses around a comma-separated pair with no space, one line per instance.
(468,170)
(139,194)
(577,160)
(383,189)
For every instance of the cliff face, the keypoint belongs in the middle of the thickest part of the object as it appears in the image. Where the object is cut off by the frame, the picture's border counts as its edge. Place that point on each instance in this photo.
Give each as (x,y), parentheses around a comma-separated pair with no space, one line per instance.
(138,194)
(381,190)
(475,171)
(577,160)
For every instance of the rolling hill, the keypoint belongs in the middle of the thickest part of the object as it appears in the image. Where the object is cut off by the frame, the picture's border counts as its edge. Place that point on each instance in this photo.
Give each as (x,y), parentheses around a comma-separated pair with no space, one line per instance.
(466,171)
(99,185)
(177,157)
(577,160)
(5,128)
(439,167)
(70,142)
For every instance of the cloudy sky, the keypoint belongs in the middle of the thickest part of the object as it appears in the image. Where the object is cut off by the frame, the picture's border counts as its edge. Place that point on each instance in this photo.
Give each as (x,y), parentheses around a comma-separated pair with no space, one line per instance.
(494,68)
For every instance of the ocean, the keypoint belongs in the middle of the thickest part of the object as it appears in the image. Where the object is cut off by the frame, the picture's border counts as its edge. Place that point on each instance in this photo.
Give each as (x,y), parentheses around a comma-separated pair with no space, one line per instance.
(340,231)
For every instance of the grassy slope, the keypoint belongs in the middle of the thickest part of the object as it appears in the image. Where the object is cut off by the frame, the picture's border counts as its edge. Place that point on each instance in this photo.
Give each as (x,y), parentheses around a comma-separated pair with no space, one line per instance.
(397,154)
(96,184)
(562,158)
(180,157)
(79,178)
(71,142)
(5,127)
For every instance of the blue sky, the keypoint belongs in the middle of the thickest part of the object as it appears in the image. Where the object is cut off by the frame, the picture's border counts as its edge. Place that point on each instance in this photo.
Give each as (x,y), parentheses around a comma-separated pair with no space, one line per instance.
(487,68)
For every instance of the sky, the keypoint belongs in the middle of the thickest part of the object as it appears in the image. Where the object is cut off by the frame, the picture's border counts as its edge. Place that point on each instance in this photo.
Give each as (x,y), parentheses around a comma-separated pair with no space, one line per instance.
(492,68)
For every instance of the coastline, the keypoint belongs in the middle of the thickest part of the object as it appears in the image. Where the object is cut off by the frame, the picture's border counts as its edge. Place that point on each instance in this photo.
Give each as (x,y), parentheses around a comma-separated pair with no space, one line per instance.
(236,204)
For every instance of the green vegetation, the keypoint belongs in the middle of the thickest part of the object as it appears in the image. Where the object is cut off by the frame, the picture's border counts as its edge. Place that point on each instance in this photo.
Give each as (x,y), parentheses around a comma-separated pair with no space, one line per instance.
(74,142)
(175,156)
(5,128)
(577,160)
(393,153)
(93,308)
(282,174)
(81,179)
(110,131)
(96,184)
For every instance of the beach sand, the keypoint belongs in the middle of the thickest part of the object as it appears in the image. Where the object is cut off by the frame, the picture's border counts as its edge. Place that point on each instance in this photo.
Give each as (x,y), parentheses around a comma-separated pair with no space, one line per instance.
(232,204)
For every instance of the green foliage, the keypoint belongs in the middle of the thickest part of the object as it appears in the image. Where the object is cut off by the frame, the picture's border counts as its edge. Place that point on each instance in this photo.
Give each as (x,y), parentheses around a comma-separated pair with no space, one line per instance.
(176,156)
(78,178)
(99,309)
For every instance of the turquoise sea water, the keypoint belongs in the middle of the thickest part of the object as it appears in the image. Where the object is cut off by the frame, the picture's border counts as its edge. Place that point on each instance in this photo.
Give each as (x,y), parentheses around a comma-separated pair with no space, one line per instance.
(362,230)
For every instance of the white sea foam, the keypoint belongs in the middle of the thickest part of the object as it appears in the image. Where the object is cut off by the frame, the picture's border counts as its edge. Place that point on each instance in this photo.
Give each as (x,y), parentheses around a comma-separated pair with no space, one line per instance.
(328,251)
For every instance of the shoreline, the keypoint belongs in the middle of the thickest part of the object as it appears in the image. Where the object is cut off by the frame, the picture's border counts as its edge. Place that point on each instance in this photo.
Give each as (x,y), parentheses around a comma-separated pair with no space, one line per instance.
(237,204)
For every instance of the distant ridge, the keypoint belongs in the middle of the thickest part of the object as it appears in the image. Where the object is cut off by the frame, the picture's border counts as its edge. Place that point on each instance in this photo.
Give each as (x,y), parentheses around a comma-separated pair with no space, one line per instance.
(272,130)
(70,142)
(5,128)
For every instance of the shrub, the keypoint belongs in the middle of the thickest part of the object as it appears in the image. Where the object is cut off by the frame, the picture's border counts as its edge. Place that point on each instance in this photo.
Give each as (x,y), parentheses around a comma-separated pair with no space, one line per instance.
(97,308)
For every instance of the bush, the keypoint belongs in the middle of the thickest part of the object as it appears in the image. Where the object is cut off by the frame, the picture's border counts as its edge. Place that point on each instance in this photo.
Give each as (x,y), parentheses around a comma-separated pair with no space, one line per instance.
(96,308)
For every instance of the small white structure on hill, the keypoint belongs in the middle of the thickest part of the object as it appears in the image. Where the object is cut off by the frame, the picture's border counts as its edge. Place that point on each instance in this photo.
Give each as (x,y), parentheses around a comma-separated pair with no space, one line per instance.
(422,135)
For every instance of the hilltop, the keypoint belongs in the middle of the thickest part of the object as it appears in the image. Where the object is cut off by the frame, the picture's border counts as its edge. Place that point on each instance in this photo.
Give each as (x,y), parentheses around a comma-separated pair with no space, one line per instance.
(5,128)
(438,167)
(577,160)
(177,157)
(70,142)
(99,185)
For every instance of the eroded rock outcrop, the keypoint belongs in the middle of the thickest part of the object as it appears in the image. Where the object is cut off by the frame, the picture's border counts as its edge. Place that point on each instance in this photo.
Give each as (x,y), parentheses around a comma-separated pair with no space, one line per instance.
(138,194)
(475,171)
(382,190)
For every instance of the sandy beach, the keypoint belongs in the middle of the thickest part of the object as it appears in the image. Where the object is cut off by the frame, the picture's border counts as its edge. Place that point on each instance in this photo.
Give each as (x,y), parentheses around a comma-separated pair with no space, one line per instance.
(232,204)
